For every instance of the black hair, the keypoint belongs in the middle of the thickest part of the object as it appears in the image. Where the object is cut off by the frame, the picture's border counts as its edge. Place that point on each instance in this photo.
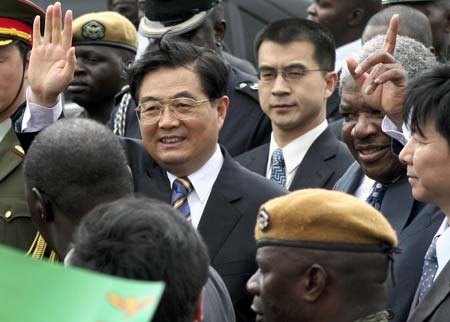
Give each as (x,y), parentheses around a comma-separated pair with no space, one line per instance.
(145,239)
(77,164)
(297,29)
(172,53)
(428,100)
(413,23)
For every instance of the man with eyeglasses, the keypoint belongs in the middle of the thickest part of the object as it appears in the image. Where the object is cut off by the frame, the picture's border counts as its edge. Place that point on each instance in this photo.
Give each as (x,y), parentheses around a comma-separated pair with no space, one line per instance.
(296,77)
(180,92)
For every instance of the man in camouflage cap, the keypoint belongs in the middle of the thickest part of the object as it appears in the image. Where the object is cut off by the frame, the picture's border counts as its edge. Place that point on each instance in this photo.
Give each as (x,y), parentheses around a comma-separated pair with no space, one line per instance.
(16,21)
(322,256)
(104,42)
(438,13)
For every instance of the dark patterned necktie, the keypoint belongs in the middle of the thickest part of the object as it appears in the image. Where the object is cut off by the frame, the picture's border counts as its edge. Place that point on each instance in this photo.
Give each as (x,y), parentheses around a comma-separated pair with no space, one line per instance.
(278,174)
(181,188)
(430,266)
(376,196)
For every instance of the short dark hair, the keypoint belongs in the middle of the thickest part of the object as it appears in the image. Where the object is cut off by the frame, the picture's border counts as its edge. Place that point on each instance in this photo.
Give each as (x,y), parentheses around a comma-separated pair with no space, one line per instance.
(298,29)
(77,164)
(428,100)
(145,239)
(413,23)
(171,53)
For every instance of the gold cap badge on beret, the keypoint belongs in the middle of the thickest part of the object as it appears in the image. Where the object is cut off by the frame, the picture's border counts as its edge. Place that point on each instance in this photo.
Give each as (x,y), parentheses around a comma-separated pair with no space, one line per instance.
(106,28)
(323,219)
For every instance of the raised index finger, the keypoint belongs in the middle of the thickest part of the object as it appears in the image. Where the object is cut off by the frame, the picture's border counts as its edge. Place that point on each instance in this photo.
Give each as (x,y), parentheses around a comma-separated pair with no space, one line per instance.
(391,35)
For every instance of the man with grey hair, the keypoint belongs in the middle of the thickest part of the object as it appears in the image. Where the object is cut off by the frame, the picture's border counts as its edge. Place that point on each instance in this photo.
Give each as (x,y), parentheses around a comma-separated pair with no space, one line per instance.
(378,177)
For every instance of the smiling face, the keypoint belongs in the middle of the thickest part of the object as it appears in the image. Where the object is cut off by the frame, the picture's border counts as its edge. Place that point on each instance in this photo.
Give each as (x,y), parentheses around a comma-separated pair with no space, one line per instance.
(181,147)
(362,133)
(427,158)
(293,106)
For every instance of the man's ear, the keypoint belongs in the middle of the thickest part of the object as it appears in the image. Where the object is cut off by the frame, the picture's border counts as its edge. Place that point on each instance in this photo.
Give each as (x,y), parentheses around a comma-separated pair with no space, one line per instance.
(41,209)
(198,317)
(314,282)
(222,108)
(331,79)
(356,17)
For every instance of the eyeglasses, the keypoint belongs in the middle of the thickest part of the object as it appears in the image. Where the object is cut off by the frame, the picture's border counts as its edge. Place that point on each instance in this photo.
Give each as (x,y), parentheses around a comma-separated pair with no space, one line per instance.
(183,108)
(289,74)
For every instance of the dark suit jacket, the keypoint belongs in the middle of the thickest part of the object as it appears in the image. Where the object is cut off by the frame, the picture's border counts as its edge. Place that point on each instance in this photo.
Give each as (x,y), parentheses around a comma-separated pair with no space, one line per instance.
(228,220)
(217,306)
(324,163)
(415,223)
(435,305)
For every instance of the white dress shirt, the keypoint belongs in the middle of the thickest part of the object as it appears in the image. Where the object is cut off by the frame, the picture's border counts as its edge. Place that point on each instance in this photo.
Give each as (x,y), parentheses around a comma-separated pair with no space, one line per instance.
(364,188)
(343,52)
(202,180)
(442,246)
(37,117)
(295,151)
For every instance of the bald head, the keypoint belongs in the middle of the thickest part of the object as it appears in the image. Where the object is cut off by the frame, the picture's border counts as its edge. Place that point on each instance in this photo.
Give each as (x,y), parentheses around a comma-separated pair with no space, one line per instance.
(413,24)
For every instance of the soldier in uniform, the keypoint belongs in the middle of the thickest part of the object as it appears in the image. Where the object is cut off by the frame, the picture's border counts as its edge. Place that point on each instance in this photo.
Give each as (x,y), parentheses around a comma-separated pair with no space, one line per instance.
(322,256)
(201,22)
(16,21)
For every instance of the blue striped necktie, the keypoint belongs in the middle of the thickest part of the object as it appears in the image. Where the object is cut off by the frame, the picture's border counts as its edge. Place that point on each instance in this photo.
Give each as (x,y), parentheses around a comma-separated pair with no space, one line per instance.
(278,174)
(181,188)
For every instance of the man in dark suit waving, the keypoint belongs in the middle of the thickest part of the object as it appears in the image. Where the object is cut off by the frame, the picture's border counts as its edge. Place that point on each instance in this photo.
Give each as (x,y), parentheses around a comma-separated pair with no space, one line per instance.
(295,61)
(180,91)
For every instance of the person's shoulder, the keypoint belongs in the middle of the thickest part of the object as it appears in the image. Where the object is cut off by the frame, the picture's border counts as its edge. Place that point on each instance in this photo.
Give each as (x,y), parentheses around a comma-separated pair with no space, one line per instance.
(248,155)
(244,84)
(253,184)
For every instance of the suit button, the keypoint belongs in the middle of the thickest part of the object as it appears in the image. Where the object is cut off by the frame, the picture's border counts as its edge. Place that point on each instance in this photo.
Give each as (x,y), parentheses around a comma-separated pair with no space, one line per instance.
(8,214)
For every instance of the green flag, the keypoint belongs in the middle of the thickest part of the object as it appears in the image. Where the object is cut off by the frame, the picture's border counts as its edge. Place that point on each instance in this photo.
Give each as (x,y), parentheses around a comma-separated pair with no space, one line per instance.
(38,291)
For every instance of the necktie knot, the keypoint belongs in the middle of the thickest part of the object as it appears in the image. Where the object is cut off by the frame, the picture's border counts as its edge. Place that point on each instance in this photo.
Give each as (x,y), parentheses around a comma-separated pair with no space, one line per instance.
(182,186)
(278,174)
(376,196)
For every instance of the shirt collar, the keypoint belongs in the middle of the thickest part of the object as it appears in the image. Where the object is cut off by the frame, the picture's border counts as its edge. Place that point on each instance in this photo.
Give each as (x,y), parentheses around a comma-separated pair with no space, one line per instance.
(343,52)
(296,150)
(443,244)
(203,179)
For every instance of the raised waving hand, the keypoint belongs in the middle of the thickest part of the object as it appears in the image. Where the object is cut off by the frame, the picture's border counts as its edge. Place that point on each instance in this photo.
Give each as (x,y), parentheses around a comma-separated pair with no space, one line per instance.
(52,60)
(382,78)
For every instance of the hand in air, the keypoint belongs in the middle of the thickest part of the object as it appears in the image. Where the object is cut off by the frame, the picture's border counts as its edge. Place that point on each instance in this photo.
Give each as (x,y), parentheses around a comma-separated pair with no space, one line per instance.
(52,60)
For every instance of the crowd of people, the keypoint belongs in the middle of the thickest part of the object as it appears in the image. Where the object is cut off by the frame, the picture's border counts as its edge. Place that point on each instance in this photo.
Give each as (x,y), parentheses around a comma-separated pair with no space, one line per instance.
(310,187)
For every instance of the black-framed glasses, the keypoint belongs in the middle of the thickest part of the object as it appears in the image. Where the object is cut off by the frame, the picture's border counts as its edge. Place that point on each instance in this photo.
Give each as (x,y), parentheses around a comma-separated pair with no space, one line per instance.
(183,108)
(289,74)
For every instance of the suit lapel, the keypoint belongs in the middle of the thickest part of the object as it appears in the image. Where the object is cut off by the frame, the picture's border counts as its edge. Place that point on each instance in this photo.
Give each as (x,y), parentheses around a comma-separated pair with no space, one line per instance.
(437,293)
(314,171)
(397,204)
(221,212)
(256,160)
(11,154)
